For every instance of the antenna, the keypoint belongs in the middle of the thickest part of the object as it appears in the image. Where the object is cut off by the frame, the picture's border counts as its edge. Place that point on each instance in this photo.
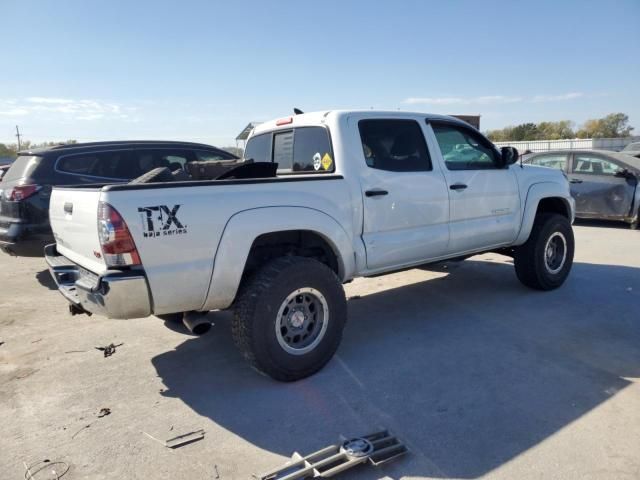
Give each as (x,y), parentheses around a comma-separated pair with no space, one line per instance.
(18,135)
(297,111)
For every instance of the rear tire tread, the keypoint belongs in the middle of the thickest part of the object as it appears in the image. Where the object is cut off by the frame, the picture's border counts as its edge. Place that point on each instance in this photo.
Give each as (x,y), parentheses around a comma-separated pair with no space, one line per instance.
(244,330)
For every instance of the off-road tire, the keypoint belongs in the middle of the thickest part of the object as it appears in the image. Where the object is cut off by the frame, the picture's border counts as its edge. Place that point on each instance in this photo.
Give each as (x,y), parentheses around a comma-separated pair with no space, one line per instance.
(529,258)
(256,313)
(160,174)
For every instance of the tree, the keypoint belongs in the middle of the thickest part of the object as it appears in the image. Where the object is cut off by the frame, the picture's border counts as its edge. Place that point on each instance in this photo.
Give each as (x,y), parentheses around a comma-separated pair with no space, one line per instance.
(614,125)
(7,151)
(11,149)
(556,130)
(234,151)
(525,131)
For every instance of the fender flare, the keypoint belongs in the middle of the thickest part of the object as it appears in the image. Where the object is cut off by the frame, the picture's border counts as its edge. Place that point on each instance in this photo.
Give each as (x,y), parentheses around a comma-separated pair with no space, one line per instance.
(244,227)
(536,193)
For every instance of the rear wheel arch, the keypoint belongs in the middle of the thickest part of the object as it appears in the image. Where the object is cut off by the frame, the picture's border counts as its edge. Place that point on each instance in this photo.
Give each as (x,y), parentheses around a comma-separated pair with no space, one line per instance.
(253,237)
(299,242)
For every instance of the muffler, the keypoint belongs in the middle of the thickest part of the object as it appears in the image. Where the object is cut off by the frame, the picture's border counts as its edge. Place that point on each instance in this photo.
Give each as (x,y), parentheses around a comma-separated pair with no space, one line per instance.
(196,322)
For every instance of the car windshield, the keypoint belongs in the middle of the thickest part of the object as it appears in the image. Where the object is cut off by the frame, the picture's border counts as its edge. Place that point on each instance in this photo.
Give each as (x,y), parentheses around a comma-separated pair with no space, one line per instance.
(632,147)
(22,167)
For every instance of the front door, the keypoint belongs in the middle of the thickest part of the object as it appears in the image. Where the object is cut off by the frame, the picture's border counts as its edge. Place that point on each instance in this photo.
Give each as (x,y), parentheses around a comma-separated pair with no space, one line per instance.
(406,204)
(598,190)
(484,197)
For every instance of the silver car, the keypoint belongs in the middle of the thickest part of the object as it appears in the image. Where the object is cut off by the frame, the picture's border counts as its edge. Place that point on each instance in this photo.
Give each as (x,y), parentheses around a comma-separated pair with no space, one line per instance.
(604,184)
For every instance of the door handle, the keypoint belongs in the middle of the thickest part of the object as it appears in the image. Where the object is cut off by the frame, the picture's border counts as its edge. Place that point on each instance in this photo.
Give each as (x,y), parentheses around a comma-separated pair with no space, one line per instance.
(458,186)
(68,207)
(375,193)
(575,180)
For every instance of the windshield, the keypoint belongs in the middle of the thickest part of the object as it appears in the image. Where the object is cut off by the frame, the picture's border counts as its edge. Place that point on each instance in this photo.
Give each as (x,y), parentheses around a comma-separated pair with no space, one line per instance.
(22,167)
(632,147)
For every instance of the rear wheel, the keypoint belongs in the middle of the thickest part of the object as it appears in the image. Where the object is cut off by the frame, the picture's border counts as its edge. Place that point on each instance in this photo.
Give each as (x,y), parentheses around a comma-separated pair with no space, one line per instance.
(545,260)
(289,316)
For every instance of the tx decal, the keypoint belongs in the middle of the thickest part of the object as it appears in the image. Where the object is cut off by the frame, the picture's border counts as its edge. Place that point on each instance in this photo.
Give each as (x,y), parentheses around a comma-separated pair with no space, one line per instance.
(160,221)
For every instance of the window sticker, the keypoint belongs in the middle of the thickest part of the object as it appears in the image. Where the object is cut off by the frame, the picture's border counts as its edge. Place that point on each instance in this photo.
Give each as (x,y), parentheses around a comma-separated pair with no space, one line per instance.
(327,161)
(317,161)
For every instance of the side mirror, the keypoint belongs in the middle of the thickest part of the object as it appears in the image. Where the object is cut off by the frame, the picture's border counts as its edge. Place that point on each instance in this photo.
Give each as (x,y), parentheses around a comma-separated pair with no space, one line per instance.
(510,155)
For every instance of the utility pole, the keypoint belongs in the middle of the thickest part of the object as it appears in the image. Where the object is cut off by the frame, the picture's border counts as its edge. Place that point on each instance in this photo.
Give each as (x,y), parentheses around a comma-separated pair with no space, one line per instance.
(18,135)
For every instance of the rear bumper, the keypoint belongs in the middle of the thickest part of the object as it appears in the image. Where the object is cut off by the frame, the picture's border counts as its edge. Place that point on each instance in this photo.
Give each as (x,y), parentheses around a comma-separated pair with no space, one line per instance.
(117,294)
(23,239)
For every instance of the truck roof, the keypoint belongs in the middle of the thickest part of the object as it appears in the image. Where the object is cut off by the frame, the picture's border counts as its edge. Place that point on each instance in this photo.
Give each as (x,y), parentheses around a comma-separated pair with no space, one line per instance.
(315,118)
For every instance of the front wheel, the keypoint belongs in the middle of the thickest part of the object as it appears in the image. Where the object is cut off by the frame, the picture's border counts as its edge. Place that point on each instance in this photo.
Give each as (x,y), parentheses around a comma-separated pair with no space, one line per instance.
(289,316)
(545,260)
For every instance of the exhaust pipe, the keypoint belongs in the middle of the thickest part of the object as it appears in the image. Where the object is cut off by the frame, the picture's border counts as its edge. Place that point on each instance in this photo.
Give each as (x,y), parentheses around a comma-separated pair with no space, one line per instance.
(196,322)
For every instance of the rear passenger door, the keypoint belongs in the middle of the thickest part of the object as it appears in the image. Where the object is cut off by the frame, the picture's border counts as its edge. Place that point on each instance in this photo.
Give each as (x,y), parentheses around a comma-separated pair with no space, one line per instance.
(596,188)
(484,196)
(406,205)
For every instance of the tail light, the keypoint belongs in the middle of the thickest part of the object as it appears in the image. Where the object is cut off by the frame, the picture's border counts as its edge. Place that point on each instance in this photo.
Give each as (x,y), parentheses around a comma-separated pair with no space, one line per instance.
(22,192)
(118,247)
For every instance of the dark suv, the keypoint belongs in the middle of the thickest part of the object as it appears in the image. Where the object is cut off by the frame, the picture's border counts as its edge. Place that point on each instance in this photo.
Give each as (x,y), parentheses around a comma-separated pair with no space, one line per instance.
(26,187)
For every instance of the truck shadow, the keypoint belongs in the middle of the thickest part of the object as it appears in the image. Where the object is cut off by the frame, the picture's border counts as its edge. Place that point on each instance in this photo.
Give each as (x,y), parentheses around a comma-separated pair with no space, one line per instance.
(470,370)
(45,279)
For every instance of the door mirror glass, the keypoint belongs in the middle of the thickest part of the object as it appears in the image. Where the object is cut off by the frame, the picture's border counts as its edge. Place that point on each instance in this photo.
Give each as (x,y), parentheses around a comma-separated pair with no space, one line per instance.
(510,155)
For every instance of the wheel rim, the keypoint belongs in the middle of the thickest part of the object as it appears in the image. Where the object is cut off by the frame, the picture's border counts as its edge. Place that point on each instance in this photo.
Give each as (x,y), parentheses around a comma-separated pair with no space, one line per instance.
(555,252)
(302,321)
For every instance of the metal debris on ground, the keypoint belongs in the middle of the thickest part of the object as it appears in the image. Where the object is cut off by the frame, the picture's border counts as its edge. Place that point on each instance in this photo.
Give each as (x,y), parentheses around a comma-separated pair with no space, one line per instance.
(104,412)
(1,343)
(184,439)
(180,440)
(215,468)
(81,429)
(36,341)
(109,349)
(45,469)
(376,448)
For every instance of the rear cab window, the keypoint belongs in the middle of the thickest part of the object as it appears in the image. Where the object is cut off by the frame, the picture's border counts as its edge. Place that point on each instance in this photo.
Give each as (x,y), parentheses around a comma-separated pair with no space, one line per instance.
(298,150)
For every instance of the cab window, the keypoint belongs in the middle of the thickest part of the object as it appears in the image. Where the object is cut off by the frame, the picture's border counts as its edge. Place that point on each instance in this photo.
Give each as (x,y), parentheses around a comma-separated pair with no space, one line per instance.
(258,148)
(394,145)
(463,149)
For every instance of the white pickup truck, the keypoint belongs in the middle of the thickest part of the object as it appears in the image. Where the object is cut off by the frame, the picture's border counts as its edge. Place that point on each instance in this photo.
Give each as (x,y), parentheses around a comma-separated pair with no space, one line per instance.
(356,193)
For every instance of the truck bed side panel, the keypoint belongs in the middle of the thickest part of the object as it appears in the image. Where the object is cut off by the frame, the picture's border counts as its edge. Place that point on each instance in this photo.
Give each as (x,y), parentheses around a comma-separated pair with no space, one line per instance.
(177,229)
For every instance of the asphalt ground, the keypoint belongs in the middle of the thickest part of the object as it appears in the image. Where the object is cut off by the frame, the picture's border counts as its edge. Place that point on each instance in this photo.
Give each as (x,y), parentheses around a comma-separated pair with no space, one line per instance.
(478,375)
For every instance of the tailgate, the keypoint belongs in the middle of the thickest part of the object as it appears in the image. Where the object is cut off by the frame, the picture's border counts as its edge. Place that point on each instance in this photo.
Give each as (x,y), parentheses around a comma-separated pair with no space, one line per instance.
(74,220)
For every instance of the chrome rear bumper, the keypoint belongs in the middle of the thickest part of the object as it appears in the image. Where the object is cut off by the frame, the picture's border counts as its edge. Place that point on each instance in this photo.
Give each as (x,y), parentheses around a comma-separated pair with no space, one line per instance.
(117,294)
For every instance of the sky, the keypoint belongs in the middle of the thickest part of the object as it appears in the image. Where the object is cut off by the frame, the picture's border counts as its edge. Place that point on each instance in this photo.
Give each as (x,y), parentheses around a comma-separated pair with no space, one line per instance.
(201,70)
